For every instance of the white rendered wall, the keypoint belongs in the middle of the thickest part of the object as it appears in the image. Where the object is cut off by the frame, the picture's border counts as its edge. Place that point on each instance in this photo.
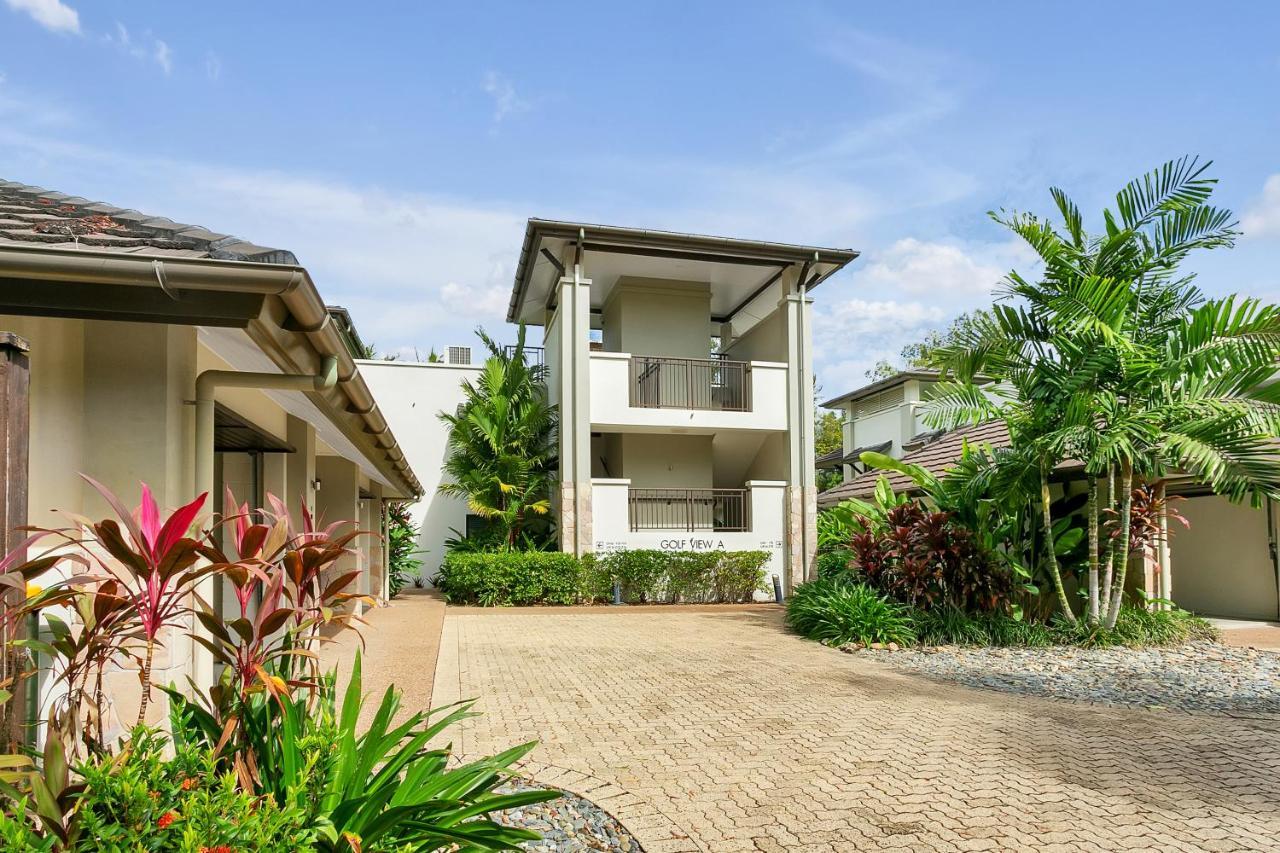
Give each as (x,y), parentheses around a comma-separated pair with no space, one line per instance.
(411,395)
(612,526)
(611,407)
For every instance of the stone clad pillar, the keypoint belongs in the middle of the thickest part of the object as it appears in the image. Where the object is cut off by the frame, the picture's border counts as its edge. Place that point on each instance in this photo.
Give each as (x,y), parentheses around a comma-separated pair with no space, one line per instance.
(574,384)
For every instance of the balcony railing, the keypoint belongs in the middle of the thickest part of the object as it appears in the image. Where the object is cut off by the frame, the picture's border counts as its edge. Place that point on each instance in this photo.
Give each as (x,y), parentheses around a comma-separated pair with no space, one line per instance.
(532,355)
(716,384)
(726,510)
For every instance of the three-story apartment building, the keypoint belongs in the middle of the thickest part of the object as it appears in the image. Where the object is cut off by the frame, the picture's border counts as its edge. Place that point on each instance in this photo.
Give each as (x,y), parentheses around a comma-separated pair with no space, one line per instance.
(682,369)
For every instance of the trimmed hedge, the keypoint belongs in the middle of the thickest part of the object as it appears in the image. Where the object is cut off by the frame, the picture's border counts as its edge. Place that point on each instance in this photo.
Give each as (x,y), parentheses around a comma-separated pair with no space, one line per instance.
(491,578)
(495,578)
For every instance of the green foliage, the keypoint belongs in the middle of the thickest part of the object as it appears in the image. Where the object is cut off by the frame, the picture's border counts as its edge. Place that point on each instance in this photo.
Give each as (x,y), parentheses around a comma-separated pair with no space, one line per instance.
(501,445)
(926,559)
(142,800)
(263,758)
(828,435)
(500,578)
(403,565)
(1113,357)
(837,611)
(835,563)
(951,626)
(1138,626)
(384,785)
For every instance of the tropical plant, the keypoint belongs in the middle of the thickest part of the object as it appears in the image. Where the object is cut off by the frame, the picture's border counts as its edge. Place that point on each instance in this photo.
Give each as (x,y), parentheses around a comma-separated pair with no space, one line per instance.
(925,560)
(403,565)
(501,444)
(838,611)
(272,763)
(1114,358)
(380,789)
(153,568)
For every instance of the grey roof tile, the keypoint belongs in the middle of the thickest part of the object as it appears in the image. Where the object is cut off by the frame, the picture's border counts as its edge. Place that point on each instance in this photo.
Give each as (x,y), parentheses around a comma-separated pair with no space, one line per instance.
(37,216)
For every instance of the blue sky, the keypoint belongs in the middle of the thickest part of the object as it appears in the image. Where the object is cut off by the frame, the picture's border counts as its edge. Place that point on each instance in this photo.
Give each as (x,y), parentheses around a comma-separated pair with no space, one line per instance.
(398,148)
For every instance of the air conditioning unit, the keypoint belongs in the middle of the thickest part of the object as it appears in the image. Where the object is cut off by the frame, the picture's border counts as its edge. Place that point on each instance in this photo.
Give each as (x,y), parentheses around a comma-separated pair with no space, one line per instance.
(459,355)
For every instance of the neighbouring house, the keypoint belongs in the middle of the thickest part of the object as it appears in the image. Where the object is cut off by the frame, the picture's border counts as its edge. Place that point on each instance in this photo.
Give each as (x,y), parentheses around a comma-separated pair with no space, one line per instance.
(1223,564)
(192,361)
(682,368)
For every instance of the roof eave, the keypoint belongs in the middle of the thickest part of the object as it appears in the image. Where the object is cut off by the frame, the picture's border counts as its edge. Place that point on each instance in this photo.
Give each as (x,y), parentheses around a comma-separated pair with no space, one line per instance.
(304,317)
(537,230)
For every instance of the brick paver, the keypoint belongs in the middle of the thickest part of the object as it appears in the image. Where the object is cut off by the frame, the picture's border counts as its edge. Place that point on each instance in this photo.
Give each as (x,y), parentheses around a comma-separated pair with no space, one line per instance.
(718,731)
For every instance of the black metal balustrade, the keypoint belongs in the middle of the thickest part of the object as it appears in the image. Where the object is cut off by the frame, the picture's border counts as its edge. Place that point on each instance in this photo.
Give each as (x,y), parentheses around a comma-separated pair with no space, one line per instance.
(532,355)
(716,384)
(726,510)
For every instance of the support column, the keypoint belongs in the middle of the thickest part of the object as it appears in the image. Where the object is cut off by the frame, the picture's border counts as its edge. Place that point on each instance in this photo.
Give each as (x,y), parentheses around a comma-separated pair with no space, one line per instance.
(1162,551)
(300,471)
(15,433)
(574,310)
(275,475)
(338,499)
(802,492)
(380,570)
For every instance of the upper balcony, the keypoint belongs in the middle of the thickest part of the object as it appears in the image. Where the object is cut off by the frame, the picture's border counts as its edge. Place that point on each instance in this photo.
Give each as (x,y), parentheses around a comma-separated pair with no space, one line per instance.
(646,391)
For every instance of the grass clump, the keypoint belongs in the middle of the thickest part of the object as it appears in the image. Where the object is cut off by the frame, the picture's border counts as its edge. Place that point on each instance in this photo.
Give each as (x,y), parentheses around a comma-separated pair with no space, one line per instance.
(1138,626)
(836,611)
(950,626)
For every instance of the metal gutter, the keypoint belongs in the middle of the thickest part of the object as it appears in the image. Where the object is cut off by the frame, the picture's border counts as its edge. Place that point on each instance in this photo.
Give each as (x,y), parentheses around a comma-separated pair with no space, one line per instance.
(292,285)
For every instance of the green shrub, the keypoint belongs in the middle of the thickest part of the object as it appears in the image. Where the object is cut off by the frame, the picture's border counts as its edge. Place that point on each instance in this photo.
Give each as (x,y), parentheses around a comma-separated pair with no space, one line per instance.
(380,783)
(494,578)
(1138,626)
(837,612)
(739,574)
(403,565)
(145,801)
(950,626)
(681,576)
(835,563)
(642,573)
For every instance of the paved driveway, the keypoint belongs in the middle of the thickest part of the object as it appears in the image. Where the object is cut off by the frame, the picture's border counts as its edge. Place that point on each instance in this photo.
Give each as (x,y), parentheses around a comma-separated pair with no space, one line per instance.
(718,731)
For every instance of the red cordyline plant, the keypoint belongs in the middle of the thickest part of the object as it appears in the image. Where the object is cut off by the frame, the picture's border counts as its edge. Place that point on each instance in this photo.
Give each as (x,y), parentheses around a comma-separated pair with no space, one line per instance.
(311,553)
(154,564)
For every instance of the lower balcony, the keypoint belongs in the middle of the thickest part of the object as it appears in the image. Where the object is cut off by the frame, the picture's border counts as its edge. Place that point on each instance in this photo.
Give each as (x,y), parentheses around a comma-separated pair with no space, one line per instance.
(751,518)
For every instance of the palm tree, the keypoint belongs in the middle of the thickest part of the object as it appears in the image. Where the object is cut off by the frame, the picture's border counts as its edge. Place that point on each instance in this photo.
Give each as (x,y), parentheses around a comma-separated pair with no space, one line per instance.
(1114,358)
(501,442)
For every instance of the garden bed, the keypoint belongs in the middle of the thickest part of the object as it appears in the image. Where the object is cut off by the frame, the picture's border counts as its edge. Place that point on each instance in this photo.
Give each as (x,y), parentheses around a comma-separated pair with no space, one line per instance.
(570,824)
(1197,676)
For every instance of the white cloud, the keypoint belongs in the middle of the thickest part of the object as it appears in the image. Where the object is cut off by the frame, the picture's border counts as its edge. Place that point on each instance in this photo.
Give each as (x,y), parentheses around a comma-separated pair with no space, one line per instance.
(51,14)
(212,66)
(899,294)
(945,271)
(163,56)
(850,336)
(505,100)
(1262,219)
(148,49)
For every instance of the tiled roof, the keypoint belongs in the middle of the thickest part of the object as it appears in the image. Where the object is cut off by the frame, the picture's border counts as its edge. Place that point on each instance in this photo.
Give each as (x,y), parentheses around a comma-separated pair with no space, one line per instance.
(35,216)
(935,457)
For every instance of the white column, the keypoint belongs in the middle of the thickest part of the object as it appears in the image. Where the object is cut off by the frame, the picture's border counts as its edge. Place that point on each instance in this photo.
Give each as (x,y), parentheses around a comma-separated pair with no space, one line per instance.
(574,319)
(802,493)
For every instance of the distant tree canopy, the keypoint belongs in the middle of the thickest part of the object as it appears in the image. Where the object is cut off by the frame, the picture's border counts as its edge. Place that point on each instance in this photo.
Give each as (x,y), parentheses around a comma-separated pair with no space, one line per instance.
(919,354)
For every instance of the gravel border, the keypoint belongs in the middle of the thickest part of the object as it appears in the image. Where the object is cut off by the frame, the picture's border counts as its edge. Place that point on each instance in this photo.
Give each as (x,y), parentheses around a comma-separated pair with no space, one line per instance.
(1195,677)
(568,824)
